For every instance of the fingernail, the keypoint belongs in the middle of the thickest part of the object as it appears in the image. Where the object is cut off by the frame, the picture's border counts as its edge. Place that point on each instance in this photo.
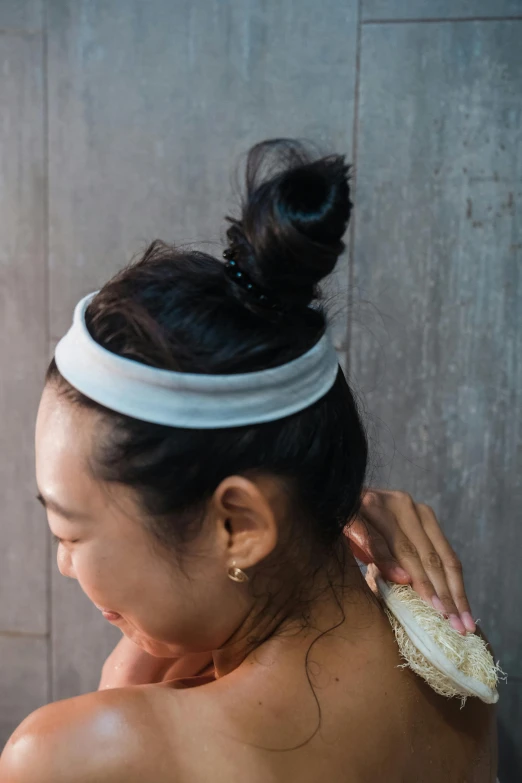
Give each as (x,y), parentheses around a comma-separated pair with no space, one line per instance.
(437,603)
(457,624)
(468,621)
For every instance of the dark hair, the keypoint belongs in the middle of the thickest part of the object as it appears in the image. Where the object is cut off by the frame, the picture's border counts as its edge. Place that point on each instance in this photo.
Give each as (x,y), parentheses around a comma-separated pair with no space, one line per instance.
(176,309)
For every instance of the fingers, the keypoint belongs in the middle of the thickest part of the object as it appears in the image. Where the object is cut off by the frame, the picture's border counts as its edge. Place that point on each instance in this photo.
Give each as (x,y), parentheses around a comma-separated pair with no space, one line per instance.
(397,517)
(403,546)
(451,564)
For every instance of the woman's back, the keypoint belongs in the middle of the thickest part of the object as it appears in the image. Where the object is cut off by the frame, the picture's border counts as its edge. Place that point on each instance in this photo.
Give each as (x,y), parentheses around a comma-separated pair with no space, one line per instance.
(378,722)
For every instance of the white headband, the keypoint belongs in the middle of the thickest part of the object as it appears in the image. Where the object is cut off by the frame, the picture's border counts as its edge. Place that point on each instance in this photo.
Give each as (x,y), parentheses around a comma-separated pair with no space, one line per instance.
(192,400)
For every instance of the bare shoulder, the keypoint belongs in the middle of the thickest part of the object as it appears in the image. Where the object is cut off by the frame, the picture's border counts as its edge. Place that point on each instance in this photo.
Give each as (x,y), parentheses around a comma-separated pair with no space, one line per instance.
(107,736)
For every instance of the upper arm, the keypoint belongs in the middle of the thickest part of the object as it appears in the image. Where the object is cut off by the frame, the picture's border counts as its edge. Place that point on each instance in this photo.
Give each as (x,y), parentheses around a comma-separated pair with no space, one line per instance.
(83,740)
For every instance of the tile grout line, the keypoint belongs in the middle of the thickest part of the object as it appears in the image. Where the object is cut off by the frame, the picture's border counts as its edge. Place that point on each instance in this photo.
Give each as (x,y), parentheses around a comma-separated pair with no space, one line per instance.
(23,635)
(443,20)
(48,548)
(351,262)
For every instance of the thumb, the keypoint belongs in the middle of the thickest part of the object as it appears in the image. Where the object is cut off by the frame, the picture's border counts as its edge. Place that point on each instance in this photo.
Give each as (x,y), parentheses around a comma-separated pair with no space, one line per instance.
(369,546)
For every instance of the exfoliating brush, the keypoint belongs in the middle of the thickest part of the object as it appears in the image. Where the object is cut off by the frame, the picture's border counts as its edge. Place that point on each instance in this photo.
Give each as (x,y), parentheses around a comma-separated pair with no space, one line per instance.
(451,664)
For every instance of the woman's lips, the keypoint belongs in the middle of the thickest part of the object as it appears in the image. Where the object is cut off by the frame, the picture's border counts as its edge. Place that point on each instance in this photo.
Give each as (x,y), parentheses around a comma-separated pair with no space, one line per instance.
(111,616)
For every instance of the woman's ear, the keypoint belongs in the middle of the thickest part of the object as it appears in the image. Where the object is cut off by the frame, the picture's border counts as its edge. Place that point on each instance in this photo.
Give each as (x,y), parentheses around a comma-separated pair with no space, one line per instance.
(246,513)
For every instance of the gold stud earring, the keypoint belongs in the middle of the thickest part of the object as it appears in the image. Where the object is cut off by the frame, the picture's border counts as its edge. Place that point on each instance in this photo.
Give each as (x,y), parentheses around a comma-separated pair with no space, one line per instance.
(236,574)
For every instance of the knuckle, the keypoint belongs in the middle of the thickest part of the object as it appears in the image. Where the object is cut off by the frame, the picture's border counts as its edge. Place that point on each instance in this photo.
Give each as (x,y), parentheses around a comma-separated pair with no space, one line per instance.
(454,563)
(405,548)
(432,560)
(370,498)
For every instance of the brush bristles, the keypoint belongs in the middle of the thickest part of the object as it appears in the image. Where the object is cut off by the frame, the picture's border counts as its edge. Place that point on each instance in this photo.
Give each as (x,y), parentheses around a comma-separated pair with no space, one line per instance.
(468,653)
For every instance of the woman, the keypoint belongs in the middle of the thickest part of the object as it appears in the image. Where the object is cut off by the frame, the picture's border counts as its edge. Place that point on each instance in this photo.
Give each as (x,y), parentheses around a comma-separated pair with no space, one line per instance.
(203,510)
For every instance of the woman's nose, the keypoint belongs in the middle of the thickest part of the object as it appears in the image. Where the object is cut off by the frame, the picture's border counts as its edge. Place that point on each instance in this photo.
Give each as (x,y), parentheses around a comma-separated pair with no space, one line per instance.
(64,562)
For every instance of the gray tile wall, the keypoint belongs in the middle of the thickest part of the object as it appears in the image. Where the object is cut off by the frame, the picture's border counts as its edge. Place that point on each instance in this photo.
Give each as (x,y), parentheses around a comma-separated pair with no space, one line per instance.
(116,128)
(438,252)
(24,562)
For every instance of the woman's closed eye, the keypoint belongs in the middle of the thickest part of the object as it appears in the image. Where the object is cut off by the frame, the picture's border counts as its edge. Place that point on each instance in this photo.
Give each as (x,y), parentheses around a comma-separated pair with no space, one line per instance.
(57,540)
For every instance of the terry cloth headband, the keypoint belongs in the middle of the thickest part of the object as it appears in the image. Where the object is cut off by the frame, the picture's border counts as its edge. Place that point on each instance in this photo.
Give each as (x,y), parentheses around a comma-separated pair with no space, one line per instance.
(192,400)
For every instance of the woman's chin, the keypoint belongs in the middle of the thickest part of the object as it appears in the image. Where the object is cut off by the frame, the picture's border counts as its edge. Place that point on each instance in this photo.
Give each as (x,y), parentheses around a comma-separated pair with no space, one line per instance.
(153,647)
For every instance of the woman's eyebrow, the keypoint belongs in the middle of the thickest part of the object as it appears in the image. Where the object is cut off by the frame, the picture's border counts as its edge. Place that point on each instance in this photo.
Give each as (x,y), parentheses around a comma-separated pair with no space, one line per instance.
(52,505)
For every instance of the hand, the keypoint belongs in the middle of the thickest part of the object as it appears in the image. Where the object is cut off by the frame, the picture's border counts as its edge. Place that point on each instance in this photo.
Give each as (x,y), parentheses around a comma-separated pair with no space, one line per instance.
(404,540)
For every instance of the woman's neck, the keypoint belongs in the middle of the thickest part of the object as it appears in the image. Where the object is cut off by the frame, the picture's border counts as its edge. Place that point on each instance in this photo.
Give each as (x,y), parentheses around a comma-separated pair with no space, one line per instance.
(335,599)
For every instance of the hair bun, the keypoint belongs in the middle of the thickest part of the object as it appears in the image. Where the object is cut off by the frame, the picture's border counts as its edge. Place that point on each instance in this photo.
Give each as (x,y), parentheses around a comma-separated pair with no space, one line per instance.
(293,218)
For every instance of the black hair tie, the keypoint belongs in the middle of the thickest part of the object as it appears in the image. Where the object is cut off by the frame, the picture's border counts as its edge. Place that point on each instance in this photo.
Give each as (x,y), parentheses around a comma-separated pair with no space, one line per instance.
(240,277)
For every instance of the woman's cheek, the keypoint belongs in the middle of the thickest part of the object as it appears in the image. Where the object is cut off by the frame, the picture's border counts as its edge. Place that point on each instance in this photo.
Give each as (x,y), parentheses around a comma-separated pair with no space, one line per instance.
(95,577)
